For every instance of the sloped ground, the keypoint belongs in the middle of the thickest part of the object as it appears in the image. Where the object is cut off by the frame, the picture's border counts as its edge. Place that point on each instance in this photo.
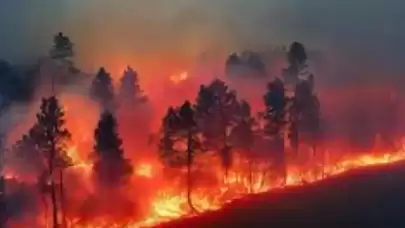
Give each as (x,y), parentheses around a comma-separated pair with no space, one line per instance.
(369,197)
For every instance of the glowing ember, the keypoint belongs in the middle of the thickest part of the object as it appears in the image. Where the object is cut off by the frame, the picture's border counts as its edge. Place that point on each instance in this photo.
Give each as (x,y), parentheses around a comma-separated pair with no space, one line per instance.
(178,78)
(144,170)
(170,201)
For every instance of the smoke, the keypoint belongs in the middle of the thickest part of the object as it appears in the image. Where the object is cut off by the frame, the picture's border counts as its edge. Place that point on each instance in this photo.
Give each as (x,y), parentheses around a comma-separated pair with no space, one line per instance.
(359,36)
(355,47)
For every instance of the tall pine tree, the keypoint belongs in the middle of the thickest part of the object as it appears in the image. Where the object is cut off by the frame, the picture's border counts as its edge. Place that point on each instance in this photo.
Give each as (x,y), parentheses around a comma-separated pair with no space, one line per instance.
(180,142)
(130,92)
(26,156)
(111,168)
(102,90)
(242,137)
(50,137)
(217,111)
(274,124)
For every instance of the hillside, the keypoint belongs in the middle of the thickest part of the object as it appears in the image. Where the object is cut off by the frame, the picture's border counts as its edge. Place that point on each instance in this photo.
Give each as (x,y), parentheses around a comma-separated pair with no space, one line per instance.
(369,197)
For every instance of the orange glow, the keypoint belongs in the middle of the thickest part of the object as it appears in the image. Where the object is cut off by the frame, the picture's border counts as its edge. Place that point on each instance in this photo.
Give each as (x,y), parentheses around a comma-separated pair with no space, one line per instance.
(158,194)
(178,78)
(170,202)
(144,170)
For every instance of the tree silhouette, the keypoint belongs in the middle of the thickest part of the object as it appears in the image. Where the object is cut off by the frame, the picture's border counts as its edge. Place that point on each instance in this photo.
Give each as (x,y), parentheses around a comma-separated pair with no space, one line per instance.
(296,58)
(296,55)
(102,90)
(50,136)
(110,167)
(306,114)
(243,135)
(130,91)
(180,143)
(62,47)
(4,105)
(26,155)
(275,123)
(217,110)
(62,51)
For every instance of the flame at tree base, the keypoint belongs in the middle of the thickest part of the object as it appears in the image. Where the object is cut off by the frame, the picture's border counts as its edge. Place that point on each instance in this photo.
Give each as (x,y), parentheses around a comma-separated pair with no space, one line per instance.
(170,201)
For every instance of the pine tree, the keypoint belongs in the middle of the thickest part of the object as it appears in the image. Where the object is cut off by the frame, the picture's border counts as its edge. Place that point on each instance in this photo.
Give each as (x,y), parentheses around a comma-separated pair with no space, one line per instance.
(306,113)
(274,124)
(180,143)
(111,168)
(243,135)
(50,136)
(62,47)
(26,155)
(297,62)
(102,90)
(130,92)
(217,110)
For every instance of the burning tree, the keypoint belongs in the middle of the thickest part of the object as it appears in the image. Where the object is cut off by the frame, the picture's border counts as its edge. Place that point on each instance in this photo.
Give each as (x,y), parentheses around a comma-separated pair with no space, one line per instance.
(243,136)
(102,90)
(26,155)
(180,142)
(50,136)
(305,116)
(130,91)
(111,168)
(217,110)
(275,123)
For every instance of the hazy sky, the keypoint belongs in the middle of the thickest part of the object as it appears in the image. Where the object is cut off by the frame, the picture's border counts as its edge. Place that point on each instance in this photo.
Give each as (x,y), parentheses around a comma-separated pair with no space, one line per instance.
(369,30)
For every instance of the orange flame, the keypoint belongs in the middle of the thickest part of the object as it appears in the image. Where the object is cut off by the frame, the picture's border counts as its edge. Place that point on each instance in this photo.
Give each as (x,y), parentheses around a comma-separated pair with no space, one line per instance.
(178,78)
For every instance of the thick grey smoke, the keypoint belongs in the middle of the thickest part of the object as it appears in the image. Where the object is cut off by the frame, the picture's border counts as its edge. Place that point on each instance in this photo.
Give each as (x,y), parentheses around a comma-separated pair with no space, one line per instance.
(361,35)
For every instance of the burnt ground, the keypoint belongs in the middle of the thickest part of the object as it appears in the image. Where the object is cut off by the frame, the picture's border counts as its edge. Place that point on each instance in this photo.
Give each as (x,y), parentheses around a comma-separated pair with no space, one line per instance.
(367,197)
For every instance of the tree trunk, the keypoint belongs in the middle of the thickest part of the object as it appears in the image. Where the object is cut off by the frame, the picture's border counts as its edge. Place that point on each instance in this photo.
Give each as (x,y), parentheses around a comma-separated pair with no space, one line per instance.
(281,160)
(189,163)
(62,200)
(46,210)
(263,178)
(53,190)
(250,176)
(54,205)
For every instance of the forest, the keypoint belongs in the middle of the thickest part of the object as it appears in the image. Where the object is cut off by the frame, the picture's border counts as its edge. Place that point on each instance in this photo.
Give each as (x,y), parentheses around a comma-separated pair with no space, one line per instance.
(92,159)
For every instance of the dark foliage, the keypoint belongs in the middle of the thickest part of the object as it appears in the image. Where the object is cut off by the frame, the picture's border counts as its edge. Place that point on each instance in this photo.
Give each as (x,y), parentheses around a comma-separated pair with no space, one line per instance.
(62,47)
(50,136)
(17,83)
(275,124)
(297,54)
(102,90)
(178,128)
(217,112)
(275,102)
(180,142)
(130,91)
(26,156)
(305,113)
(248,62)
(110,167)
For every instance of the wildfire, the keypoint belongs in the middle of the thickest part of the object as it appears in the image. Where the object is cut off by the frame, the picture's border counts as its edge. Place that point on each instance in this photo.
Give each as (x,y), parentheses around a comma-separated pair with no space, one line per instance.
(144,170)
(178,78)
(170,201)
